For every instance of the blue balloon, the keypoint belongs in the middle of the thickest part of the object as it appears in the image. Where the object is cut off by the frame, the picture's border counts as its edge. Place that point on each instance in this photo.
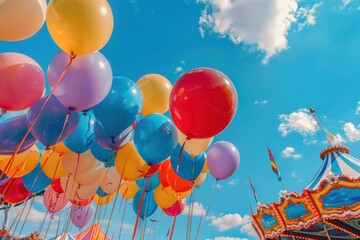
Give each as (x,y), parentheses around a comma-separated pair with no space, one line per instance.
(51,128)
(187,167)
(120,108)
(101,192)
(155,138)
(148,204)
(83,137)
(112,143)
(103,154)
(36,180)
(11,133)
(153,183)
(3,179)
(11,114)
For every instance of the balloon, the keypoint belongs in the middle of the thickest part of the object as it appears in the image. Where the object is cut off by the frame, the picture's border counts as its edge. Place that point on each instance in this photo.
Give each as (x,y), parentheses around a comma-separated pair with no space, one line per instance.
(80,26)
(152,170)
(205,168)
(149,183)
(102,154)
(185,166)
(103,200)
(179,195)
(51,164)
(3,178)
(83,137)
(155,138)
(13,191)
(163,199)
(21,164)
(145,205)
(129,163)
(56,186)
(129,189)
(111,181)
(22,80)
(112,143)
(177,183)
(36,180)
(75,191)
(82,203)
(53,125)
(85,84)
(163,173)
(81,216)
(200,179)
(223,159)
(203,102)
(123,104)
(96,172)
(176,208)
(100,192)
(11,133)
(21,19)
(76,163)
(194,146)
(54,201)
(155,90)
(10,114)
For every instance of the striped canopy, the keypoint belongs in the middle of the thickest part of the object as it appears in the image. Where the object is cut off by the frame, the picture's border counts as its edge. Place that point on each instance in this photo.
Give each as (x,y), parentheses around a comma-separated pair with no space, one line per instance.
(63,236)
(92,232)
(336,162)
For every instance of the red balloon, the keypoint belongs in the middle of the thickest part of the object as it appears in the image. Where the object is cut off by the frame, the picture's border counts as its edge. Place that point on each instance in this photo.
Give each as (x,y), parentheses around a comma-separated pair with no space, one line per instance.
(177,183)
(203,102)
(152,170)
(176,208)
(163,173)
(56,186)
(14,191)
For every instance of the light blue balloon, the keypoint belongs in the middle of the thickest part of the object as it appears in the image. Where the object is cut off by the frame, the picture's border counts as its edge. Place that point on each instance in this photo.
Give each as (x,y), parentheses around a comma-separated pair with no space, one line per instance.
(83,137)
(187,167)
(120,108)
(36,180)
(155,138)
(102,154)
(148,204)
(152,183)
(112,143)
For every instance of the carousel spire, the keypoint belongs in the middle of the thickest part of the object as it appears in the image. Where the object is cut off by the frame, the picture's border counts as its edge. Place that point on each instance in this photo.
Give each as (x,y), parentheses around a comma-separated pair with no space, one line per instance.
(327,136)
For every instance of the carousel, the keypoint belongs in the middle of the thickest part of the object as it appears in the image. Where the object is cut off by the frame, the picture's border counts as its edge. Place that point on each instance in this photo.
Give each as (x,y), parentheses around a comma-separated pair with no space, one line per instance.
(328,208)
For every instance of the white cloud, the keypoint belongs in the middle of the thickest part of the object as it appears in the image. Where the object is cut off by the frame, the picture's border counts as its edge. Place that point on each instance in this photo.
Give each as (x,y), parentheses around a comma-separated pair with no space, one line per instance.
(357,111)
(217,186)
(233,182)
(35,216)
(345,3)
(262,23)
(290,152)
(198,209)
(299,121)
(339,139)
(261,102)
(248,229)
(178,70)
(307,15)
(229,221)
(352,132)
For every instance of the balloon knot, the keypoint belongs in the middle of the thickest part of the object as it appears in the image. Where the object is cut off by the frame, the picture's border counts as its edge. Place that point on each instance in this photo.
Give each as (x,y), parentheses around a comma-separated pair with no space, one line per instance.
(47,147)
(3,111)
(134,125)
(72,55)
(188,138)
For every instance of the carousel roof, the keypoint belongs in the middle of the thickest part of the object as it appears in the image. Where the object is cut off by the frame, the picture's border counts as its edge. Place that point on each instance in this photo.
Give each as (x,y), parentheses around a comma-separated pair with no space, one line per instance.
(328,208)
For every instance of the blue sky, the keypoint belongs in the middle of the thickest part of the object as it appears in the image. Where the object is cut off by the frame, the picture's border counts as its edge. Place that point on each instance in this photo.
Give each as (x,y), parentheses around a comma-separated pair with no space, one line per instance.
(283,57)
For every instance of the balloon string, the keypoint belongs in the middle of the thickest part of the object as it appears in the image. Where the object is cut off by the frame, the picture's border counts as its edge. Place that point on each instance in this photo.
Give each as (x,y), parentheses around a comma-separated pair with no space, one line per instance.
(178,162)
(58,225)
(139,209)
(26,217)
(72,57)
(172,228)
(47,229)
(42,223)
(122,219)
(190,215)
(151,226)
(8,231)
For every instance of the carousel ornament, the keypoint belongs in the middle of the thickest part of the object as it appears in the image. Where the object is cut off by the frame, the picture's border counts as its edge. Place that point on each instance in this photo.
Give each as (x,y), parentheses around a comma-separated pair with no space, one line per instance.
(332,178)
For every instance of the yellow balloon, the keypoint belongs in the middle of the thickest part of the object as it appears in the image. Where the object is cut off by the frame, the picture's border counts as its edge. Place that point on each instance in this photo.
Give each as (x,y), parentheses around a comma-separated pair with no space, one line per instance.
(156,91)
(76,163)
(22,164)
(80,26)
(61,148)
(205,168)
(179,195)
(51,164)
(163,199)
(20,19)
(200,179)
(194,146)
(129,163)
(103,200)
(129,189)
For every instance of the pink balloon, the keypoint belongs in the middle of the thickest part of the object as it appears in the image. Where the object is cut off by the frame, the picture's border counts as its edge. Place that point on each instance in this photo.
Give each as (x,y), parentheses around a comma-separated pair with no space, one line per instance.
(22,81)
(81,216)
(176,208)
(85,84)
(223,159)
(54,201)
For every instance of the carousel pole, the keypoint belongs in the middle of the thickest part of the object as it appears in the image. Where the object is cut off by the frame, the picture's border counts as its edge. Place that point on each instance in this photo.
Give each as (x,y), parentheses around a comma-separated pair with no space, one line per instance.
(312,111)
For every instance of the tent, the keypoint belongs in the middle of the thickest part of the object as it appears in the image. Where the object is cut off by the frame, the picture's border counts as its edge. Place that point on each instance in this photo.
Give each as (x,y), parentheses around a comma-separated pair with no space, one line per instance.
(63,236)
(92,232)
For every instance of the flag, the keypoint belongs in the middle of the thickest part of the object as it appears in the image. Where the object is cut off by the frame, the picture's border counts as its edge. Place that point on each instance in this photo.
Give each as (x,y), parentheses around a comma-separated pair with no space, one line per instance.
(252,186)
(332,137)
(274,165)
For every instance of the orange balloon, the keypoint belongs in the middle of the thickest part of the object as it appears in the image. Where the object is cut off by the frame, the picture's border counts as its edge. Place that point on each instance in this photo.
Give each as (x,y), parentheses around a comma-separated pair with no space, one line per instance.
(179,195)
(61,148)
(205,168)
(200,179)
(76,163)
(163,199)
(129,189)
(162,173)
(129,163)
(176,182)
(92,176)
(51,164)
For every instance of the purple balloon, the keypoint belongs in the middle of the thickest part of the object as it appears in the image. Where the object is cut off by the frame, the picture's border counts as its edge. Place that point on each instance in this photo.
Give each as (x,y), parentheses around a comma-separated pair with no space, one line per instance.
(81,216)
(223,159)
(85,84)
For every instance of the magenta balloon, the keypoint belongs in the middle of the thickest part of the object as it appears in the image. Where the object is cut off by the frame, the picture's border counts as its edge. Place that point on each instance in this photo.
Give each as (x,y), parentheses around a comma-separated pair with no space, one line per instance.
(22,81)
(54,201)
(85,84)
(223,159)
(176,208)
(81,215)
